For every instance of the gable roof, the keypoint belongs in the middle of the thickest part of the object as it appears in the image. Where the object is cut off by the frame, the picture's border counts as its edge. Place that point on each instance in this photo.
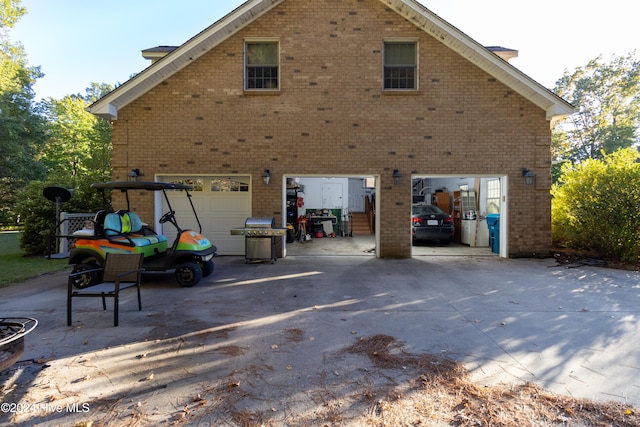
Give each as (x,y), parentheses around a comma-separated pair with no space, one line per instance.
(555,107)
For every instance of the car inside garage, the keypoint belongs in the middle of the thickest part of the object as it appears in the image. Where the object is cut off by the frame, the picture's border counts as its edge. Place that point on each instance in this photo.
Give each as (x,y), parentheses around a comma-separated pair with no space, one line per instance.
(470,207)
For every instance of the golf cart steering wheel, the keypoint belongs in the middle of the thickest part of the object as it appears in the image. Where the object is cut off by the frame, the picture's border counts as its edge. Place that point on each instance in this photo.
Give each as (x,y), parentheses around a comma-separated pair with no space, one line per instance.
(167,217)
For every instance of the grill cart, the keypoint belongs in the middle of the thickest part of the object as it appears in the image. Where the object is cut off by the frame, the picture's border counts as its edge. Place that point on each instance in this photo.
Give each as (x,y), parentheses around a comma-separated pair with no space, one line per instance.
(261,238)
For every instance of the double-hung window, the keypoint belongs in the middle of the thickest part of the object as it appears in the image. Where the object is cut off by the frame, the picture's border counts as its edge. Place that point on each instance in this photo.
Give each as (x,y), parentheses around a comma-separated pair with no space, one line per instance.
(493,196)
(400,65)
(262,65)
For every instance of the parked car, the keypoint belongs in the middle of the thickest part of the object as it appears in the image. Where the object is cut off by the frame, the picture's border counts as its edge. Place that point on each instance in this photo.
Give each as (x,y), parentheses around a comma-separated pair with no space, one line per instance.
(429,222)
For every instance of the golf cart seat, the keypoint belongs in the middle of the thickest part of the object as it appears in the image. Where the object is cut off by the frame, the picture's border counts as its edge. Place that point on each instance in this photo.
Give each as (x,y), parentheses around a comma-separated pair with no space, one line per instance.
(136,225)
(126,228)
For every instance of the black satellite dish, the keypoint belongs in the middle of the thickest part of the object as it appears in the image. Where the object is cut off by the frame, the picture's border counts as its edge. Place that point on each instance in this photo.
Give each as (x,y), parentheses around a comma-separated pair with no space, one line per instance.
(59,195)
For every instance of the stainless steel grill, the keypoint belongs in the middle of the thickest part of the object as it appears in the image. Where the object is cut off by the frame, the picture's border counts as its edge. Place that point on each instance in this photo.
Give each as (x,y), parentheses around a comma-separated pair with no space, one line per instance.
(261,239)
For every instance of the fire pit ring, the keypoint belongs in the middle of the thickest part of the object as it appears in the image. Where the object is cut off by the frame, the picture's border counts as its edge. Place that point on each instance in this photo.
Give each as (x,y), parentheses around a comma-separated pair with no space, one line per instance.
(12,333)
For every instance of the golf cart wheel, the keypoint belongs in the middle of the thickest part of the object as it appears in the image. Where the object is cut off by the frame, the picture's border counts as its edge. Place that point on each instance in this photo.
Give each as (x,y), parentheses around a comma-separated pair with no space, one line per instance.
(207,268)
(91,278)
(188,274)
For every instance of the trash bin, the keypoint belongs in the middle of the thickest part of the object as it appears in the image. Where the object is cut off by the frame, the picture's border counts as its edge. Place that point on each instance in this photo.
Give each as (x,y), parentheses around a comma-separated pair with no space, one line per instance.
(493,222)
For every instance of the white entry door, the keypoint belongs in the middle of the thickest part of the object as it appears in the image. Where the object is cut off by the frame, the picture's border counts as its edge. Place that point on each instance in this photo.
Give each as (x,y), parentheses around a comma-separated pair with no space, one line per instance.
(356,195)
(332,196)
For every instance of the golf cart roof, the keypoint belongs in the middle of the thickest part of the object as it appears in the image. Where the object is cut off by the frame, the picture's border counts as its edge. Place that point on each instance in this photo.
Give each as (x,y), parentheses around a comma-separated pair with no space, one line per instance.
(131,185)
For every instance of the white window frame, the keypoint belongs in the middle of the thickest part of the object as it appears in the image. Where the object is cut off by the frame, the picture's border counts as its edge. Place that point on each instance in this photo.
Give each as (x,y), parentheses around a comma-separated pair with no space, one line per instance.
(493,196)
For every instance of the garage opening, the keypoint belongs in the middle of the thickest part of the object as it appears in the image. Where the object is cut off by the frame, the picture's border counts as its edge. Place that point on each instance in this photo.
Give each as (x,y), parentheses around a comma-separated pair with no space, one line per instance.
(458,215)
(330,216)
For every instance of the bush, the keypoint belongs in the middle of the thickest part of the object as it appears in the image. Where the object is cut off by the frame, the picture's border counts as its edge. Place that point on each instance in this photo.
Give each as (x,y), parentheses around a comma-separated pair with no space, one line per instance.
(596,206)
(37,214)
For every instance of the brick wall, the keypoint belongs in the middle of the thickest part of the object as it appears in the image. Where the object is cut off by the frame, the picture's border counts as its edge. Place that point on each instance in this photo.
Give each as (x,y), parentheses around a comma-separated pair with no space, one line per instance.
(332,117)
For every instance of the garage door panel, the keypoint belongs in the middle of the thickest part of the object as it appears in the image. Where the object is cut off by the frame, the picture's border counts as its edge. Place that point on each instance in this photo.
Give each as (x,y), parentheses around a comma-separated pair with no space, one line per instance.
(228,204)
(219,226)
(231,245)
(223,223)
(219,211)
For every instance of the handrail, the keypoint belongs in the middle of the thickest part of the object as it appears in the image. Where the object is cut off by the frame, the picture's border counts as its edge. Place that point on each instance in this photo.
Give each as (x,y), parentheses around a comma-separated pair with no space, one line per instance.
(369,211)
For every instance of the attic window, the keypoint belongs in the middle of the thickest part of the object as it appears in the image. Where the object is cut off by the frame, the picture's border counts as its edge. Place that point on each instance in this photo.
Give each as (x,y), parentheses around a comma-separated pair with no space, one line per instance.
(400,64)
(261,65)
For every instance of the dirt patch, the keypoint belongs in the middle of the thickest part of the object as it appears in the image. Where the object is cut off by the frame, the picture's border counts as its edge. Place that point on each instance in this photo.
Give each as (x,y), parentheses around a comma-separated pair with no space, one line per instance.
(372,382)
(440,390)
(572,258)
(295,334)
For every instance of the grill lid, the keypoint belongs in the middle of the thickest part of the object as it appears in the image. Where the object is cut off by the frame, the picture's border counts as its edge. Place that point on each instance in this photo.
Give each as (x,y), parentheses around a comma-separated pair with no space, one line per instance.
(260,223)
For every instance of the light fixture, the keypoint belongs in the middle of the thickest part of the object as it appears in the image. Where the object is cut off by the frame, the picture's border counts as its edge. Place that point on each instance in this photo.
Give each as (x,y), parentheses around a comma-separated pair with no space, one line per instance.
(134,174)
(397,177)
(266,177)
(529,176)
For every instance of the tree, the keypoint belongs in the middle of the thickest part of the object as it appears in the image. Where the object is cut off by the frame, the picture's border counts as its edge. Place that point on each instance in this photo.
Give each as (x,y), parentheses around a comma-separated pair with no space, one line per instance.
(607,97)
(79,143)
(55,142)
(38,214)
(596,206)
(22,129)
(10,13)
(77,153)
(97,91)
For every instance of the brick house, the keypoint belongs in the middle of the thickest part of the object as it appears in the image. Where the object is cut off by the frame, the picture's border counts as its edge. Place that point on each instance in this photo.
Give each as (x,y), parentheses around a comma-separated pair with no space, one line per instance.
(336,88)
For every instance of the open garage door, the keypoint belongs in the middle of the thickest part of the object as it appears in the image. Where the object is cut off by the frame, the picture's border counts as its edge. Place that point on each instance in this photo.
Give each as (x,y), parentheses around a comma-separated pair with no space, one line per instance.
(476,209)
(337,212)
(222,203)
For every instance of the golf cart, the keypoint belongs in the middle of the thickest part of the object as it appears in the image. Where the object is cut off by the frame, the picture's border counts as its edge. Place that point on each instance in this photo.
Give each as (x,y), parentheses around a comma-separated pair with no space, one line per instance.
(123,231)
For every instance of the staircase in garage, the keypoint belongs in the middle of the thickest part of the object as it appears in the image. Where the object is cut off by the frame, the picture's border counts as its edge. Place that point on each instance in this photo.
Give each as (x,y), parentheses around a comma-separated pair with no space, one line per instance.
(360,224)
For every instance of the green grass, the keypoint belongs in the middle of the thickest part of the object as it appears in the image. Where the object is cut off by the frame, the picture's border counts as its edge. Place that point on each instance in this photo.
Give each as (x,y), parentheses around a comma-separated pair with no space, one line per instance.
(15,267)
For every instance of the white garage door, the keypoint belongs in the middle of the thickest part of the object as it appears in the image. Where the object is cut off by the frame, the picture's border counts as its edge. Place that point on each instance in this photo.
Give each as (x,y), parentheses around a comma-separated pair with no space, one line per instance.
(222,203)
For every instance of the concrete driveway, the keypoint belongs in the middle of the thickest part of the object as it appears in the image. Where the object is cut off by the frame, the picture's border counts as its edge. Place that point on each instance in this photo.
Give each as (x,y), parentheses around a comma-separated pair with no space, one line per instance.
(268,338)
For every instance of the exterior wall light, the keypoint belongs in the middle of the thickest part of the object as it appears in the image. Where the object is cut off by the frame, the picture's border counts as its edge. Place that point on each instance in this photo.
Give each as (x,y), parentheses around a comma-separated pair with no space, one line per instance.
(529,176)
(134,174)
(397,177)
(266,177)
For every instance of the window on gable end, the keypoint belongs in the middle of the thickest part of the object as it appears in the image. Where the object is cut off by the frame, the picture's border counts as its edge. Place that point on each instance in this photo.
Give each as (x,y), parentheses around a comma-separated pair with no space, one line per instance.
(400,65)
(262,65)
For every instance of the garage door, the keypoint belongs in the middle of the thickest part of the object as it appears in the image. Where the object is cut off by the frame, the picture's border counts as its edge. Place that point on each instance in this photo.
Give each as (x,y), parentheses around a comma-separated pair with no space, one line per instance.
(222,203)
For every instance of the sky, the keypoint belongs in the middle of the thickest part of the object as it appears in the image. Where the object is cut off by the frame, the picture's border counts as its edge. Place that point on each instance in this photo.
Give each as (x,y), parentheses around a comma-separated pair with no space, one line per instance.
(78,42)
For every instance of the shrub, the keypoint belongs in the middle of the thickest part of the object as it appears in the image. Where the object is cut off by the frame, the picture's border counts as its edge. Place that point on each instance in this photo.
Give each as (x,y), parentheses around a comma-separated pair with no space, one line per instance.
(37,214)
(596,206)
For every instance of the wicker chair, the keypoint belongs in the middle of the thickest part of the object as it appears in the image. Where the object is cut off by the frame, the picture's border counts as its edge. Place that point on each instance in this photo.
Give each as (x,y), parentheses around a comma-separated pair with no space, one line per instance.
(120,271)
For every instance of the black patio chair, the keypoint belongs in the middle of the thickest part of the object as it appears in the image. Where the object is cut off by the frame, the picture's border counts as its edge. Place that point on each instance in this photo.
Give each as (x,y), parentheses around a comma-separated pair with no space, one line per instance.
(120,271)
